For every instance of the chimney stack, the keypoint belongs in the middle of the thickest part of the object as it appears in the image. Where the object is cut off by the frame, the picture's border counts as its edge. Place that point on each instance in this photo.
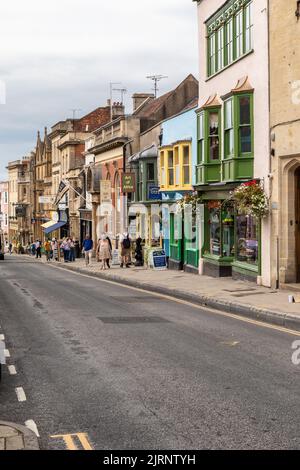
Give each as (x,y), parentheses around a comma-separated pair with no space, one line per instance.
(118,109)
(140,98)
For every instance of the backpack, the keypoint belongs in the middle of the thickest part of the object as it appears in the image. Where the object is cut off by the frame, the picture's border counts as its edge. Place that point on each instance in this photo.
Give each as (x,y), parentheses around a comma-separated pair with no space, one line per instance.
(126,242)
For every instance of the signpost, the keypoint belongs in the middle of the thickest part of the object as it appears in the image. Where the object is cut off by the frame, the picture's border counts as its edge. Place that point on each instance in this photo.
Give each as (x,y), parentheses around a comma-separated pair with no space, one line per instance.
(159,260)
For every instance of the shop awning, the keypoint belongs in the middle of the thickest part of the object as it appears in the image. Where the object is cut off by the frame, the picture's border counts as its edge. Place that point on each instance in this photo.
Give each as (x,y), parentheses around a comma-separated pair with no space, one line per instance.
(48,224)
(54,226)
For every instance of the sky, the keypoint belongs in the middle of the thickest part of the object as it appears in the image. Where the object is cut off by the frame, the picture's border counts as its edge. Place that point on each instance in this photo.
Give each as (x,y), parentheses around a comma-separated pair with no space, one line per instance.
(60,55)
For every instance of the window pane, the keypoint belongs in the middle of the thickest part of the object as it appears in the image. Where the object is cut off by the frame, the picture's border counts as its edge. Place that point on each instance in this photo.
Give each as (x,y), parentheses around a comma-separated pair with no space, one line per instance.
(248,19)
(228,232)
(229,143)
(201,123)
(212,54)
(245,139)
(239,34)
(186,155)
(247,239)
(228,114)
(214,148)
(170,159)
(245,110)
(171,177)
(186,174)
(221,48)
(150,171)
(213,123)
(176,158)
(201,151)
(229,42)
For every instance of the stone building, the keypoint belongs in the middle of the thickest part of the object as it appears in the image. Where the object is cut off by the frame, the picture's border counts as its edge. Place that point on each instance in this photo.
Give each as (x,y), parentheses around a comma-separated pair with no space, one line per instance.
(4,201)
(284,140)
(21,200)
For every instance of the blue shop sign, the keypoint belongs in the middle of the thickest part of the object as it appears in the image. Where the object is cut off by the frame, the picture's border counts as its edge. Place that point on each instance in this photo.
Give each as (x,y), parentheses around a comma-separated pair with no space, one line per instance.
(159,260)
(154,193)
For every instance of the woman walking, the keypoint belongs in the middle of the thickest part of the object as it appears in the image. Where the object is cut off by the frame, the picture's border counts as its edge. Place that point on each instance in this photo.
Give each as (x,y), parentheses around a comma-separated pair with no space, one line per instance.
(104,251)
(54,247)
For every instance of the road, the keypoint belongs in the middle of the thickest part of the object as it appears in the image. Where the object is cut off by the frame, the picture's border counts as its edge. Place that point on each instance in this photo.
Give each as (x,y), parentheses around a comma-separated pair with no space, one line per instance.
(132,370)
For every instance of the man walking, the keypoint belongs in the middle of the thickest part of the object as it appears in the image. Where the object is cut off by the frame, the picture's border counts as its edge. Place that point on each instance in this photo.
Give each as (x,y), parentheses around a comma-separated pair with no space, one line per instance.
(125,250)
(47,248)
(88,250)
(38,249)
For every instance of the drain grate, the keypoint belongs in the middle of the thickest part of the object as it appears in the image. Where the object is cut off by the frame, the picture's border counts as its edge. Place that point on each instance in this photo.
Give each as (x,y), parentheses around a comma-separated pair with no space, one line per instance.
(125,320)
(246,294)
(136,299)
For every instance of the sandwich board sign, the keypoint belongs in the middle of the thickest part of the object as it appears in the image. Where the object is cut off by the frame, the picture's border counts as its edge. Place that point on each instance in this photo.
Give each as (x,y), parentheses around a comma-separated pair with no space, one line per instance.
(159,260)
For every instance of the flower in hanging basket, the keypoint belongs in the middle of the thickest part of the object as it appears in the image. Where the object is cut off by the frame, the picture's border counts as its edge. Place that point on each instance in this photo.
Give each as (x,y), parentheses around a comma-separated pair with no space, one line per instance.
(251,199)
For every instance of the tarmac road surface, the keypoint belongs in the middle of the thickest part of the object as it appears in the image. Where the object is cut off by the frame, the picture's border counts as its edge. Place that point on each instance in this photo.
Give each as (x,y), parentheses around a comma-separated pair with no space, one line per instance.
(103,366)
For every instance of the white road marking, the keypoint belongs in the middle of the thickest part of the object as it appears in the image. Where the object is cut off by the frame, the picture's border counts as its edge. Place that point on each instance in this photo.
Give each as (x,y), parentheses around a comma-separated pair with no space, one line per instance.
(30,424)
(2,337)
(12,370)
(202,308)
(20,394)
(6,353)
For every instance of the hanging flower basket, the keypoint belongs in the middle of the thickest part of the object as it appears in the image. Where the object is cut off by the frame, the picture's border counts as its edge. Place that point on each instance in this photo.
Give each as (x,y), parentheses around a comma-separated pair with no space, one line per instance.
(250,199)
(192,199)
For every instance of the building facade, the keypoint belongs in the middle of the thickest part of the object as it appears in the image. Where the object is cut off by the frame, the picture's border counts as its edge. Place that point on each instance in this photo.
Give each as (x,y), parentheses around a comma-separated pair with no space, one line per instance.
(233,135)
(4,206)
(284,137)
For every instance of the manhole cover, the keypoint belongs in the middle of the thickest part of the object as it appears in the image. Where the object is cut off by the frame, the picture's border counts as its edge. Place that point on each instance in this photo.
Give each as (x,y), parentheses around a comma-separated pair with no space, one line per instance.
(133,320)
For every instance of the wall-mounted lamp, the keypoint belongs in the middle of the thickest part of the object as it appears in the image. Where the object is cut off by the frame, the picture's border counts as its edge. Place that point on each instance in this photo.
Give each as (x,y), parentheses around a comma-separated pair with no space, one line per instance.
(297,12)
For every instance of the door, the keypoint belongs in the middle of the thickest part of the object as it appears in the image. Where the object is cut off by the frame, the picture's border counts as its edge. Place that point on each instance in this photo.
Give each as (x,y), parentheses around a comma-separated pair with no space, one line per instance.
(297,223)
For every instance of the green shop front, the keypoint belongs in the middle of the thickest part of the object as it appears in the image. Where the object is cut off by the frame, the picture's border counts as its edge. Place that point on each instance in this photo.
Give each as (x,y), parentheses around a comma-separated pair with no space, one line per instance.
(231,245)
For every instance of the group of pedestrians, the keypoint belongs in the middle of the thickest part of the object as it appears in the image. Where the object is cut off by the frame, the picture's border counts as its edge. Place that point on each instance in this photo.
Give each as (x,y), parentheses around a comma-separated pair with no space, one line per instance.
(68,248)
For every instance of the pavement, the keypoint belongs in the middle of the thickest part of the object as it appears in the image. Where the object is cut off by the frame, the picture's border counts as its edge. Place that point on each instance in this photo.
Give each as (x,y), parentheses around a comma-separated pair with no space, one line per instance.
(225,294)
(105,366)
(17,437)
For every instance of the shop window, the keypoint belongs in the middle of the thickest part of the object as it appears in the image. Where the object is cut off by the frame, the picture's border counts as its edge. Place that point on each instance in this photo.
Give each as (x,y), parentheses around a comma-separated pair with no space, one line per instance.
(214,220)
(228,129)
(150,172)
(213,122)
(227,232)
(170,168)
(247,239)
(245,131)
(186,165)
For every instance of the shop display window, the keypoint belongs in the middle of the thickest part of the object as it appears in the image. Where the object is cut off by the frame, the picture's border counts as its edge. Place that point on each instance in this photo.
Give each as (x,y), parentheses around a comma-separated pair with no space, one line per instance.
(247,239)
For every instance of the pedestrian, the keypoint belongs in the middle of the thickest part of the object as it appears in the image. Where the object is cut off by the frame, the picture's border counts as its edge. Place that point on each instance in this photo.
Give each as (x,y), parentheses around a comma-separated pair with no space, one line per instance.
(38,247)
(110,247)
(54,248)
(104,251)
(66,249)
(125,250)
(47,248)
(33,249)
(139,252)
(10,248)
(88,249)
(72,249)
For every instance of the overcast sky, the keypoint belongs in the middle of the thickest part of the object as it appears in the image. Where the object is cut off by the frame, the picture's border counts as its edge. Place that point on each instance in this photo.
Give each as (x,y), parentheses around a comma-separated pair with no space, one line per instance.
(60,55)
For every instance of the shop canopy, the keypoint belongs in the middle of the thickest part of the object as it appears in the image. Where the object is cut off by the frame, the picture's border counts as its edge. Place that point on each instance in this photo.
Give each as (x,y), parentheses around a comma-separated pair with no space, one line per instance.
(54,226)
